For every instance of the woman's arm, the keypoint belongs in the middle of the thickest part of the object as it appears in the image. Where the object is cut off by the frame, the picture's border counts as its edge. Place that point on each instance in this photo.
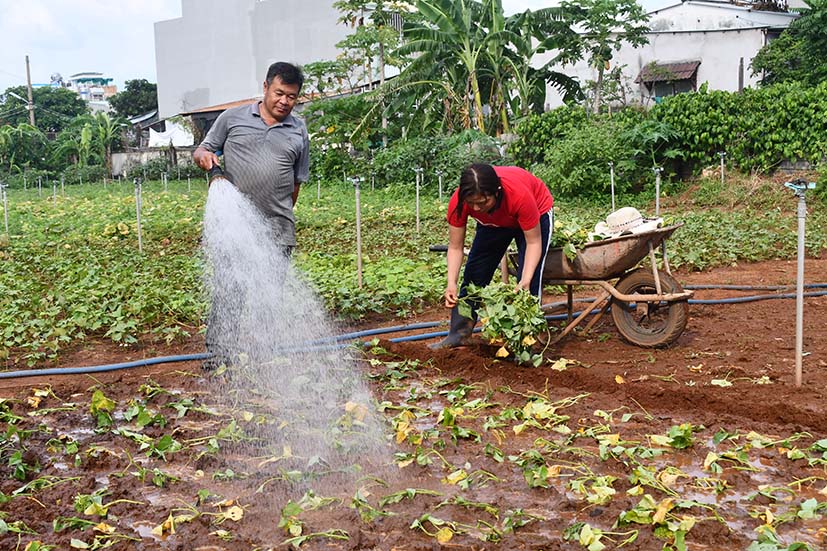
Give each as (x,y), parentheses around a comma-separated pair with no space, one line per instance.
(533,251)
(456,242)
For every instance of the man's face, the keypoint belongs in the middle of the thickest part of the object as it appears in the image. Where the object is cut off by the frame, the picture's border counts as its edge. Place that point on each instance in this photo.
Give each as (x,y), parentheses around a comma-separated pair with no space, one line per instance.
(279,98)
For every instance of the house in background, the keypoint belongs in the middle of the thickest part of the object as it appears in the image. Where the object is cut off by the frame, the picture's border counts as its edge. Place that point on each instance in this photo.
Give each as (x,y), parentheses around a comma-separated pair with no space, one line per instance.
(691,43)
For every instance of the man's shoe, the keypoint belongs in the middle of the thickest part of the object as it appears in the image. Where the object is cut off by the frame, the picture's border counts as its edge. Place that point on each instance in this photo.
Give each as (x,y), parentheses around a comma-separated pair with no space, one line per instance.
(213,363)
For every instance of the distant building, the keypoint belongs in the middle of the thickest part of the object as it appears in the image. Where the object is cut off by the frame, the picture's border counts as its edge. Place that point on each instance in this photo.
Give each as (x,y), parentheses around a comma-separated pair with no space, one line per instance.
(691,43)
(93,88)
(218,51)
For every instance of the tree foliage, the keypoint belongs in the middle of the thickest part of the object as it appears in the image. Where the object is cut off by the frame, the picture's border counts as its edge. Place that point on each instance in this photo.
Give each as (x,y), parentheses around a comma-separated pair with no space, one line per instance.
(798,55)
(54,108)
(473,64)
(138,97)
(605,26)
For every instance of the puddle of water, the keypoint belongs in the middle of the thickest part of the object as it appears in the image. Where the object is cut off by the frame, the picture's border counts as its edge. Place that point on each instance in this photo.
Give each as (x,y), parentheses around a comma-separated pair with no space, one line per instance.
(144,529)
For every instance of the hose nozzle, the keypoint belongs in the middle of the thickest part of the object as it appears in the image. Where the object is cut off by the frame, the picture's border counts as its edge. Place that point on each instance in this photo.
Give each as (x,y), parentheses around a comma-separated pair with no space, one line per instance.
(215,172)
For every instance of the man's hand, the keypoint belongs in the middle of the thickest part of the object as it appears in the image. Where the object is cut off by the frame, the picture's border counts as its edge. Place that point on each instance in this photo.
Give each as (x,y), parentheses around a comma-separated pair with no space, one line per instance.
(204,158)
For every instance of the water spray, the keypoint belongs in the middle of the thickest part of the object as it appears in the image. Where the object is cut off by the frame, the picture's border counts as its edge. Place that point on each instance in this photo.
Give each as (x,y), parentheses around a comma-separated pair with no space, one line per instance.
(799,187)
(722,154)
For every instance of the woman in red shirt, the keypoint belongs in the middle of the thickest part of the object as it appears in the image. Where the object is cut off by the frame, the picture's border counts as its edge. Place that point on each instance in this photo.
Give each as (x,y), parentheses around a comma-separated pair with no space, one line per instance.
(509,204)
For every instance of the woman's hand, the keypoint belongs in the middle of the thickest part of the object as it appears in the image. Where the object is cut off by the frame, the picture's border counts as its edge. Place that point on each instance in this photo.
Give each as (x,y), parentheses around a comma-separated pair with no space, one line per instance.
(522,286)
(450,296)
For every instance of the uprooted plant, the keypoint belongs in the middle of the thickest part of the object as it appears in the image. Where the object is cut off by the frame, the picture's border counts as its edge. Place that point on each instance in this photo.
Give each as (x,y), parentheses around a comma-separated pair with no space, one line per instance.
(512,319)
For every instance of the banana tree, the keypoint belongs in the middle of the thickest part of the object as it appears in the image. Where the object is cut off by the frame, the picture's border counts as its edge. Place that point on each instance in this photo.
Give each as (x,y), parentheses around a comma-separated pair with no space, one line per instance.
(451,36)
(107,132)
(20,146)
(535,33)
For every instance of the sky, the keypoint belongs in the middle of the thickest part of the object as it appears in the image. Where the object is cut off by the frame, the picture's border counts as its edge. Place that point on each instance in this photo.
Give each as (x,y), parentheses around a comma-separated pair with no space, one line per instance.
(114,37)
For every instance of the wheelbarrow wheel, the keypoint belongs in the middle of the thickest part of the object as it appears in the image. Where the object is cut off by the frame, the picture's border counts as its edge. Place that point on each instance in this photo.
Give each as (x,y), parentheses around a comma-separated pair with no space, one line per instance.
(649,324)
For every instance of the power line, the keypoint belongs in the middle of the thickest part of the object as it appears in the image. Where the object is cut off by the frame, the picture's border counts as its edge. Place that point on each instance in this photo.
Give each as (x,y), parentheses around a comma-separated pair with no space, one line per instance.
(14,75)
(13,112)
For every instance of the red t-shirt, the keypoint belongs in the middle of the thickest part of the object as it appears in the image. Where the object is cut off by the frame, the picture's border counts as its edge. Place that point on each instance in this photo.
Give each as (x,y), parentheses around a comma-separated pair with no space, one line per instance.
(525,198)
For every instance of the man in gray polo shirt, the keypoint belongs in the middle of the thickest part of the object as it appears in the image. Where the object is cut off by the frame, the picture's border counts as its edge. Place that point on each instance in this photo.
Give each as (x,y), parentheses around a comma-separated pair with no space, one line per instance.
(266,156)
(266,149)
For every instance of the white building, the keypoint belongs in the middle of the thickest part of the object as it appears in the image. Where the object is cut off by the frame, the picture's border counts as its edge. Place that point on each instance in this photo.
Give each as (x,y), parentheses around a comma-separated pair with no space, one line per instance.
(690,43)
(218,51)
(93,88)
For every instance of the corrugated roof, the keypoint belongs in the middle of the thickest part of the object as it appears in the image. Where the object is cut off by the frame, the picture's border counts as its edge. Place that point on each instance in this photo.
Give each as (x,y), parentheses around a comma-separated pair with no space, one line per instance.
(665,72)
(222,106)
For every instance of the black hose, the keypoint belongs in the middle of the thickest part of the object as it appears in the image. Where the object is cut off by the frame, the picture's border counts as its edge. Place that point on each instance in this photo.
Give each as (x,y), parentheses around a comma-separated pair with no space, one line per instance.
(368,332)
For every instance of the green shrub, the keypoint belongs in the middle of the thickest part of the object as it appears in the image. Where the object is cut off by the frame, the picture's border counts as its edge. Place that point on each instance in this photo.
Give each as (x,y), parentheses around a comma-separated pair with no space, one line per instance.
(578,164)
(539,132)
(75,174)
(26,179)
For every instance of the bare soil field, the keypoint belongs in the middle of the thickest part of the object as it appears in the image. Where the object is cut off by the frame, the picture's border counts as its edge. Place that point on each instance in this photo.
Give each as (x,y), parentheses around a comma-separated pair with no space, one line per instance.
(706,444)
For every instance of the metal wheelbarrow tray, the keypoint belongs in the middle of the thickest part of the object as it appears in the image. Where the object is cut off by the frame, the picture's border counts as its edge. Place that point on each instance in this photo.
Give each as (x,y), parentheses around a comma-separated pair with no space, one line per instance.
(648,306)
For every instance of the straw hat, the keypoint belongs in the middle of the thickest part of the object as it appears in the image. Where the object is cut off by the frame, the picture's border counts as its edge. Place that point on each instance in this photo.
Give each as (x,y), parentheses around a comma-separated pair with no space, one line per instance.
(627,220)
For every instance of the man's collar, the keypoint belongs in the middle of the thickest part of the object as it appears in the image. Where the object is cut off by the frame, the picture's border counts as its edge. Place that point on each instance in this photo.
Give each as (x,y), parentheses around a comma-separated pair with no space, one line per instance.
(255,110)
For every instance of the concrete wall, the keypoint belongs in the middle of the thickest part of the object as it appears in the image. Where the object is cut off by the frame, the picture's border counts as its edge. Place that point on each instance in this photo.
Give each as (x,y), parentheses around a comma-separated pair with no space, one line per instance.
(718,36)
(124,161)
(218,51)
(694,15)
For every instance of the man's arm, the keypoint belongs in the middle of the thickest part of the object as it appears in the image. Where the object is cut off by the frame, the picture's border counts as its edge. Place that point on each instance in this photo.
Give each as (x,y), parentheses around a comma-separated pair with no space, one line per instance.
(204,155)
(296,188)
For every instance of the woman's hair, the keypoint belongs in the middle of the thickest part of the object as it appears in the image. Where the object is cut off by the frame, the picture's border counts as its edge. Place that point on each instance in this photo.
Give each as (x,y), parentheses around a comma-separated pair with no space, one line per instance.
(478,179)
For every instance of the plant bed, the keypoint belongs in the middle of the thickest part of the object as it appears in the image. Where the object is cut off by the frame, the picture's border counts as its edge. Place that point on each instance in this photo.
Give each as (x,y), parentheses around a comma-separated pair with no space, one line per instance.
(479,453)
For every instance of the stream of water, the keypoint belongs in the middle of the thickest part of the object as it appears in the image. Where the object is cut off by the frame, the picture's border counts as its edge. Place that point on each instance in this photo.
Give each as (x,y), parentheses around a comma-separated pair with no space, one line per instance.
(264,319)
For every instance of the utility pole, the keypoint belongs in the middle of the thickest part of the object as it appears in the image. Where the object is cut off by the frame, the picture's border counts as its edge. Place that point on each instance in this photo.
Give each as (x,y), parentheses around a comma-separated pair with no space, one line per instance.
(31,100)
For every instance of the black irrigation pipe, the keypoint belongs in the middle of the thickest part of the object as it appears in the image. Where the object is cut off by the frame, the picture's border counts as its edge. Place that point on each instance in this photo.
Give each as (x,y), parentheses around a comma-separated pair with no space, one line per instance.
(396,329)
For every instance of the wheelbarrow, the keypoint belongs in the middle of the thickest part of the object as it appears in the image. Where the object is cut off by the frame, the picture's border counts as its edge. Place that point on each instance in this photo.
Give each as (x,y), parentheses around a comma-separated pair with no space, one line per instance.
(648,306)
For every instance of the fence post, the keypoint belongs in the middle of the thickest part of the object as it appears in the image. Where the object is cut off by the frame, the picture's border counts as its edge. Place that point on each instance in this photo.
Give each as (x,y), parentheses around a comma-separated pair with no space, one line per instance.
(5,207)
(138,213)
(722,154)
(612,178)
(418,171)
(657,171)
(439,180)
(356,182)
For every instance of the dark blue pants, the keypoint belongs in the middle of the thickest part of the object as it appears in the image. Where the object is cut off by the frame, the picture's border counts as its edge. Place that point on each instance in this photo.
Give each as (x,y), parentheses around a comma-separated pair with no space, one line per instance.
(489,245)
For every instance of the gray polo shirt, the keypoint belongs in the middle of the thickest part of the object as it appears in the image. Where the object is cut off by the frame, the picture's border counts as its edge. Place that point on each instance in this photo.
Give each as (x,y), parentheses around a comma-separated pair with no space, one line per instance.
(264,162)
